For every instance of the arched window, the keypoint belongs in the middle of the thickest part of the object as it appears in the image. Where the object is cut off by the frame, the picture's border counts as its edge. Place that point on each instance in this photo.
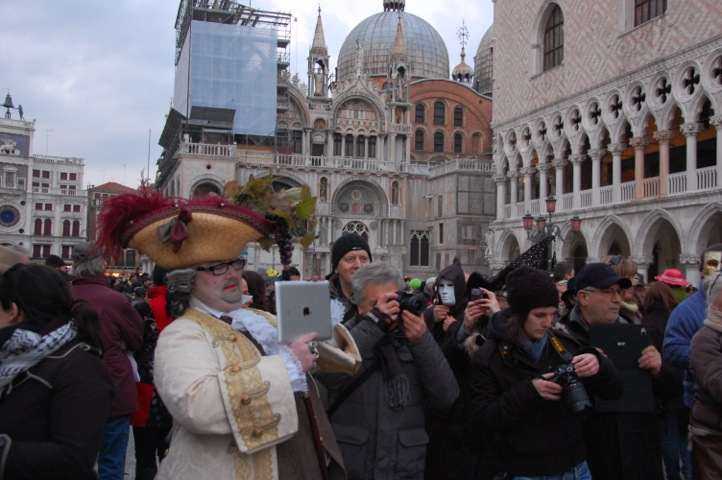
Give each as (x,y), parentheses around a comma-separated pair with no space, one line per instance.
(420,114)
(76,228)
(349,146)
(554,39)
(337,144)
(66,228)
(48,227)
(457,143)
(419,140)
(458,117)
(439,113)
(360,146)
(38,230)
(372,147)
(356,227)
(438,142)
(419,248)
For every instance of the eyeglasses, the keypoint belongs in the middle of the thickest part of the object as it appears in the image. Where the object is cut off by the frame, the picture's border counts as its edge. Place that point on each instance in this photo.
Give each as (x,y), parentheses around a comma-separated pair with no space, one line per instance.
(221,268)
(610,292)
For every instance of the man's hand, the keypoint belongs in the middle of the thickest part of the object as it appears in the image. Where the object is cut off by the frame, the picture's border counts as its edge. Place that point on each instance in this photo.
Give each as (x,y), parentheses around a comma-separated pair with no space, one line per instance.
(414,326)
(302,350)
(585,365)
(651,360)
(385,313)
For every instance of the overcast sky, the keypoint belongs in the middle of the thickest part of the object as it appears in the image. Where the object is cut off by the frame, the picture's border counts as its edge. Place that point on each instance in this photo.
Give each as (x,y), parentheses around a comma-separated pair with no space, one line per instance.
(97,76)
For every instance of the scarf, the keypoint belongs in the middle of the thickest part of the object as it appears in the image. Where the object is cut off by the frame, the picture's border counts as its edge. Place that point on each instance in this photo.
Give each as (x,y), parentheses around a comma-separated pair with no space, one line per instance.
(396,384)
(535,348)
(25,349)
(714,319)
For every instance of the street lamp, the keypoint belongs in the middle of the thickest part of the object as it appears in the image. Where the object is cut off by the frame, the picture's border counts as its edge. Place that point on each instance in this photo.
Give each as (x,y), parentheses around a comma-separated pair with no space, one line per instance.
(546,228)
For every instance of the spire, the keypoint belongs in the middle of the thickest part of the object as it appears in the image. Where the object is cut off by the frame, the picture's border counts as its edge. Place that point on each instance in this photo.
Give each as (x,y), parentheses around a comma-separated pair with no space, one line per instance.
(399,51)
(394,6)
(463,72)
(319,39)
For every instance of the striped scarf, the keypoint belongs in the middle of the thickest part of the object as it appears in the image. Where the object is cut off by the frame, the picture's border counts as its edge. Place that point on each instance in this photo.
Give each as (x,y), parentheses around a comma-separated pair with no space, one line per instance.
(25,349)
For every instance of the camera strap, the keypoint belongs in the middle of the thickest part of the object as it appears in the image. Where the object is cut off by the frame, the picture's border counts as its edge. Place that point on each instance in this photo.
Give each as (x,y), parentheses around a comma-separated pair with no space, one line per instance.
(563,352)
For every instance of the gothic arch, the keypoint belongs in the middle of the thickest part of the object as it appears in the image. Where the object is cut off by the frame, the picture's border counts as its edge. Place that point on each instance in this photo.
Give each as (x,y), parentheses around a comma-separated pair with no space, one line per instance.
(207,183)
(608,231)
(537,34)
(701,234)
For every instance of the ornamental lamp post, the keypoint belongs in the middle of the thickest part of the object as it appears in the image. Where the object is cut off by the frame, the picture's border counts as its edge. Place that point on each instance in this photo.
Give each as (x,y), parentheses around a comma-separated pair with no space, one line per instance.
(545,228)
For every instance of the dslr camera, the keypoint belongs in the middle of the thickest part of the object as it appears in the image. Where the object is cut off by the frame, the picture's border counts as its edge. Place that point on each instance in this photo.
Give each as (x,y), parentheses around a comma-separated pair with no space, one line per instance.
(408,300)
(574,395)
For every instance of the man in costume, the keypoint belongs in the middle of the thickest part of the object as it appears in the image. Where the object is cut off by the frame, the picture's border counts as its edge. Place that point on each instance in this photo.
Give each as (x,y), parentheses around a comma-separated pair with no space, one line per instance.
(243,404)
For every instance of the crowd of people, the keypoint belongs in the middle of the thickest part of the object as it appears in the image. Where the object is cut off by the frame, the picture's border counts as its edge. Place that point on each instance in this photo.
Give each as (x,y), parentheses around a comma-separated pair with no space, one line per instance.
(458,378)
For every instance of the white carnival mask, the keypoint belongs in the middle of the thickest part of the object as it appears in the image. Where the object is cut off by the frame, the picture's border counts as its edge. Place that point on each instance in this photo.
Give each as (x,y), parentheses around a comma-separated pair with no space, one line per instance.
(446,292)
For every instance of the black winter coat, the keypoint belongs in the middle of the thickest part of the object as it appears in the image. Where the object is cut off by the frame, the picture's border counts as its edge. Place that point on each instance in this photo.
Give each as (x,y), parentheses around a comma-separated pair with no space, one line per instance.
(55,417)
(538,437)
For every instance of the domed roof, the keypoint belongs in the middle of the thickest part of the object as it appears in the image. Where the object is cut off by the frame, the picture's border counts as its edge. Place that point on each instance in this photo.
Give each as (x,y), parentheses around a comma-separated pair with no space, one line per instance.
(426,55)
(484,63)
(462,72)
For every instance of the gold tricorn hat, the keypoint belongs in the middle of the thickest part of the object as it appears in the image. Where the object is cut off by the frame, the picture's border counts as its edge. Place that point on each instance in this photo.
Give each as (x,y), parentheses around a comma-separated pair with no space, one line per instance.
(177,233)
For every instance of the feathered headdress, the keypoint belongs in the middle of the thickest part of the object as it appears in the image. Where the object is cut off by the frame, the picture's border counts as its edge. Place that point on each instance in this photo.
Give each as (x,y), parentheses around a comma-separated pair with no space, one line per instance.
(177,233)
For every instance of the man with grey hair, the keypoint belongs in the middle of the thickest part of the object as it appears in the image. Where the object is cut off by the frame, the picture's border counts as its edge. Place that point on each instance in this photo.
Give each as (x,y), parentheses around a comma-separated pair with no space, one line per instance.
(121,331)
(378,415)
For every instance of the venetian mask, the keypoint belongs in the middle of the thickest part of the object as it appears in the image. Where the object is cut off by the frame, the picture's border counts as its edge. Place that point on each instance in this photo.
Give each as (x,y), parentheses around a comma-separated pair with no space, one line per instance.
(446,292)
(711,265)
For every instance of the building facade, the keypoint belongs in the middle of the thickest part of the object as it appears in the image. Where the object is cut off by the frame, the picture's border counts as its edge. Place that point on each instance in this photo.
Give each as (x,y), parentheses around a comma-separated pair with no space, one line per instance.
(43,207)
(614,109)
(392,147)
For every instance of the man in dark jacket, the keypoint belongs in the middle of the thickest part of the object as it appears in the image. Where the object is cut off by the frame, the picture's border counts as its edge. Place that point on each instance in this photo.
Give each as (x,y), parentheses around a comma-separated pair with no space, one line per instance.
(121,331)
(378,415)
(349,253)
(450,300)
(620,444)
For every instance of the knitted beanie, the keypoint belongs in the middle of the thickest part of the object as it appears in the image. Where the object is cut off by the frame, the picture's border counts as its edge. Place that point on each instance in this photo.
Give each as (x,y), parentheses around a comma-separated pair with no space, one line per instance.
(528,288)
(345,244)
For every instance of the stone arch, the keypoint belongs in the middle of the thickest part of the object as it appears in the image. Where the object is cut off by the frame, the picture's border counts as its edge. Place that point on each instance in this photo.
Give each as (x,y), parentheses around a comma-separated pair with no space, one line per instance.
(702,234)
(508,246)
(357,194)
(205,184)
(610,230)
(537,34)
(659,227)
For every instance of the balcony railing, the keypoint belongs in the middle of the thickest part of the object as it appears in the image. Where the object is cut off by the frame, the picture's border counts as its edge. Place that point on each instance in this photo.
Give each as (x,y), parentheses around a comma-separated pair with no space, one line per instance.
(676,186)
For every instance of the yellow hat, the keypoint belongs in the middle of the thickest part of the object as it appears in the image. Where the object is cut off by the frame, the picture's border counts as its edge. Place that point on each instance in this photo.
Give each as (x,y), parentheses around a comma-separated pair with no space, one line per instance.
(177,233)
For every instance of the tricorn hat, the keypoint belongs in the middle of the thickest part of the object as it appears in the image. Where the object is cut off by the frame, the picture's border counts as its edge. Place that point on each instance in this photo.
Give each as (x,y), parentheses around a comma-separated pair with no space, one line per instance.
(178,233)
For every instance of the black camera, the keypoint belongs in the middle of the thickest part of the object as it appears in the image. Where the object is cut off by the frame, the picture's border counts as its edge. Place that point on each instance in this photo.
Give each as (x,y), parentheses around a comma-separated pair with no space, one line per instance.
(574,395)
(414,303)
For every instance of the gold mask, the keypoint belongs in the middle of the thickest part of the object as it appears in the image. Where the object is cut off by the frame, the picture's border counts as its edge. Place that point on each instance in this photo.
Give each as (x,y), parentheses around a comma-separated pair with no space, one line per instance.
(711,266)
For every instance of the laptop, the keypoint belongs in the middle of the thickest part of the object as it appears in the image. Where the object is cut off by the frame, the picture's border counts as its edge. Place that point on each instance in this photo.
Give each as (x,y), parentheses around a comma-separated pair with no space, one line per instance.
(303,307)
(623,344)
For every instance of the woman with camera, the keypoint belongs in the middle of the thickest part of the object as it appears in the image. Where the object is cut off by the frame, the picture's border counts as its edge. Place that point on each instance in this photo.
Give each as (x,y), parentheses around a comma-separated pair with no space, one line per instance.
(530,383)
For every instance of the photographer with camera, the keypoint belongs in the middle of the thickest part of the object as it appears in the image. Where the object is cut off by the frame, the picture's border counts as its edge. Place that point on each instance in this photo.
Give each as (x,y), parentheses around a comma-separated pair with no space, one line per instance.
(378,415)
(529,384)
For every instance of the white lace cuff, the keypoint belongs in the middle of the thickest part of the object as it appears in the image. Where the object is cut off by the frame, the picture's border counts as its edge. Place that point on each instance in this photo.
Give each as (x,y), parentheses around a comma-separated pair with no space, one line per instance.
(295,369)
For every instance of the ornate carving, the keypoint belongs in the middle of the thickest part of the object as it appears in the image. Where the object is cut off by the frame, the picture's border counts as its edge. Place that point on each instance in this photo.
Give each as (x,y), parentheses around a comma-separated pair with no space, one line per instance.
(638,142)
(616,148)
(664,136)
(690,129)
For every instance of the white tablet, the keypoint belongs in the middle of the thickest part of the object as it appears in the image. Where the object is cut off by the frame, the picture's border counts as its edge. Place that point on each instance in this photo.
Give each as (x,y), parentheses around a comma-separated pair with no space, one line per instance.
(303,307)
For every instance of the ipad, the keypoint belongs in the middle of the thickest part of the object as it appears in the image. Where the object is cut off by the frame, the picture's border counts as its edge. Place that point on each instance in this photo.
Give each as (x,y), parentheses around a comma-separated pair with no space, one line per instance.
(303,307)
(623,344)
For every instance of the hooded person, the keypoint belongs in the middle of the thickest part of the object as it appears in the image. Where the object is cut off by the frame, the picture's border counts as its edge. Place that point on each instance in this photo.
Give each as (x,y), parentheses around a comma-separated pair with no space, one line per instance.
(449,300)
(519,377)
(243,404)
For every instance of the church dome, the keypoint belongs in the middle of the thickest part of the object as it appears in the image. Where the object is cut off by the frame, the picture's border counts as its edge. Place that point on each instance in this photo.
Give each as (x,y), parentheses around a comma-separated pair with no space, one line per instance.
(462,72)
(484,64)
(426,53)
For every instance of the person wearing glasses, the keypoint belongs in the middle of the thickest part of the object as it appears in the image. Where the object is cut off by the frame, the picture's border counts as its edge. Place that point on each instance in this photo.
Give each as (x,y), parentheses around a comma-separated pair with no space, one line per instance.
(630,308)
(243,403)
(620,443)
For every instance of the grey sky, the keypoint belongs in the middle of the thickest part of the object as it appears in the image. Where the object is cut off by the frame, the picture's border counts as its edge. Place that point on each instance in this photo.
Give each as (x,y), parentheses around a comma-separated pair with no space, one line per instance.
(97,76)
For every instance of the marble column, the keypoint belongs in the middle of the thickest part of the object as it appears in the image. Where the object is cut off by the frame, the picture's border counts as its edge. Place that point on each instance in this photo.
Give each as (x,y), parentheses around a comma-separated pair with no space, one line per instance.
(717,122)
(639,143)
(596,156)
(543,169)
(527,173)
(576,160)
(663,137)
(691,130)
(514,190)
(616,150)
(500,181)
(559,164)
